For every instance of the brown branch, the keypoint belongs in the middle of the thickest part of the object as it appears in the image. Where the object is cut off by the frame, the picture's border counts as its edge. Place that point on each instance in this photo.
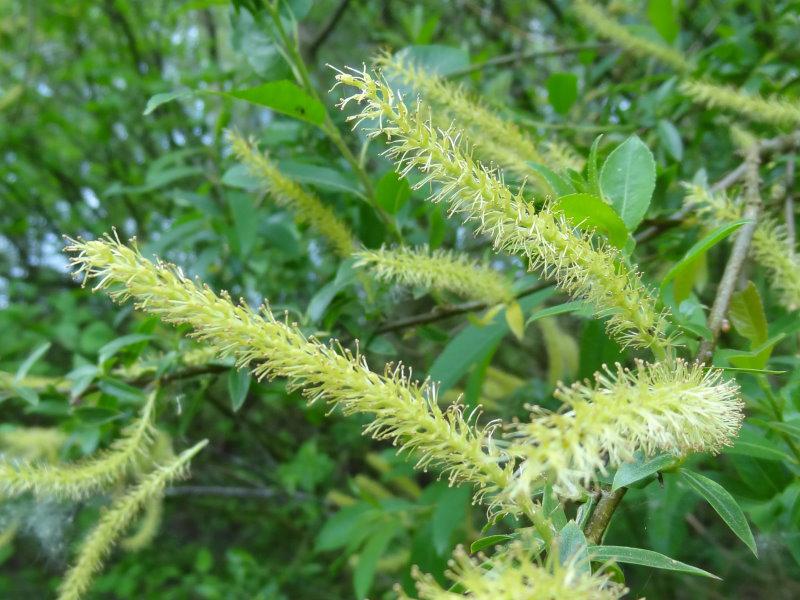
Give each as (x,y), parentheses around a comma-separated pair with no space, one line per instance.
(327,29)
(450,310)
(504,59)
(741,246)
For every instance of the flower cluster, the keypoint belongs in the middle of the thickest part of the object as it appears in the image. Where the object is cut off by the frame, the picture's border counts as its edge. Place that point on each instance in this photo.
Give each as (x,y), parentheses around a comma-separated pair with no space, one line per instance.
(440,270)
(403,411)
(500,140)
(552,246)
(514,574)
(671,406)
(307,207)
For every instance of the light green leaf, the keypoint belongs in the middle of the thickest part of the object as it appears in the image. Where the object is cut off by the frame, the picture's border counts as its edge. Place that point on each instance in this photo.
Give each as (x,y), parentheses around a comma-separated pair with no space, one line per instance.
(627,180)
(557,184)
(238,386)
(722,502)
(664,17)
(436,59)
(392,192)
(489,540)
(114,346)
(321,177)
(630,473)
(670,139)
(245,222)
(30,360)
(591,167)
(340,528)
(321,300)
(752,443)
(155,101)
(588,211)
(758,357)
(551,507)
(515,320)
(699,249)
(364,573)
(572,548)
(568,307)
(746,312)
(645,558)
(562,91)
(450,512)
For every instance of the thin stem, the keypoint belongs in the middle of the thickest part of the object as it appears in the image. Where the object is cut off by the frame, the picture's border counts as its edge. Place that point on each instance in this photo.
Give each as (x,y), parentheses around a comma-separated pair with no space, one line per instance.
(602,515)
(741,246)
(513,57)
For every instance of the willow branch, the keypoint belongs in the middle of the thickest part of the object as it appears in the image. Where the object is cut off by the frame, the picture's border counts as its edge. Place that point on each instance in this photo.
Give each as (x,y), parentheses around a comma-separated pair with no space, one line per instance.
(601,516)
(741,246)
(442,312)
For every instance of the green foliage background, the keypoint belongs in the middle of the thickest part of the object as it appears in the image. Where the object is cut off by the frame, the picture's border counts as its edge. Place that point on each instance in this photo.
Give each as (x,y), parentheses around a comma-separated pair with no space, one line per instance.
(287,502)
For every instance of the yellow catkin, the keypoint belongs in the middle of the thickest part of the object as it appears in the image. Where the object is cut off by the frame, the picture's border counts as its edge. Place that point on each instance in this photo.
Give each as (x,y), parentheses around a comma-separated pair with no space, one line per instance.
(594,272)
(770,246)
(403,411)
(516,573)
(148,526)
(32,443)
(497,140)
(76,481)
(672,406)
(307,207)
(440,270)
(603,25)
(115,520)
(774,110)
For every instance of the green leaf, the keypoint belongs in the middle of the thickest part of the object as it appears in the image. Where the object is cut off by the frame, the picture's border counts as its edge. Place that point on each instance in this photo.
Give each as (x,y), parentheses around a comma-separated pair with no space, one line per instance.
(572,548)
(591,167)
(558,185)
(758,357)
(752,443)
(364,573)
(127,394)
(321,300)
(670,139)
(552,508)
(489,540)
(588,211)
(321,177)
(664,18)
(450,512)
(30,360)
(699,249)
(630,473)
(114,346)
(155,101)
(515,320)
(645,558)
(789,427)
(285,97)
(392,192)
(560,309)
(746,312)
(340,528)
(627,180)
(562,91)
(722,502)
(238,386)
(472,343)
(245,222)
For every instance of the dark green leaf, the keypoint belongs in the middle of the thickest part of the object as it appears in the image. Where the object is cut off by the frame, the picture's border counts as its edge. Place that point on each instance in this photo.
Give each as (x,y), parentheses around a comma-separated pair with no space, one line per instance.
(284,97)
(562,91)
(238,386)
(489,540)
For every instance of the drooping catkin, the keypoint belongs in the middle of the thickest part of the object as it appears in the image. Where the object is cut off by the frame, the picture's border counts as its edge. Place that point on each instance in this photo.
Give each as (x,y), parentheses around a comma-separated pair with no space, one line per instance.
(670,406)
(499,140)
(605,26)
(307,207)
(403,411)
(441,270)
(516,573)
(775,110)
(81,479)
(115,520)
(594,272)
(769,247)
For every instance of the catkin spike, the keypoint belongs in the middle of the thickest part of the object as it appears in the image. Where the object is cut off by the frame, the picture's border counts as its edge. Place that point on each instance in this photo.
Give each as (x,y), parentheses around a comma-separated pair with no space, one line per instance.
(516,573)
(774,110)
(601,23)
(500,141)
(769,247)
(99,542)
(671,406)
(307,207)
(403,411)
(551,245)
(440,270)
(79,480)
(148,526)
